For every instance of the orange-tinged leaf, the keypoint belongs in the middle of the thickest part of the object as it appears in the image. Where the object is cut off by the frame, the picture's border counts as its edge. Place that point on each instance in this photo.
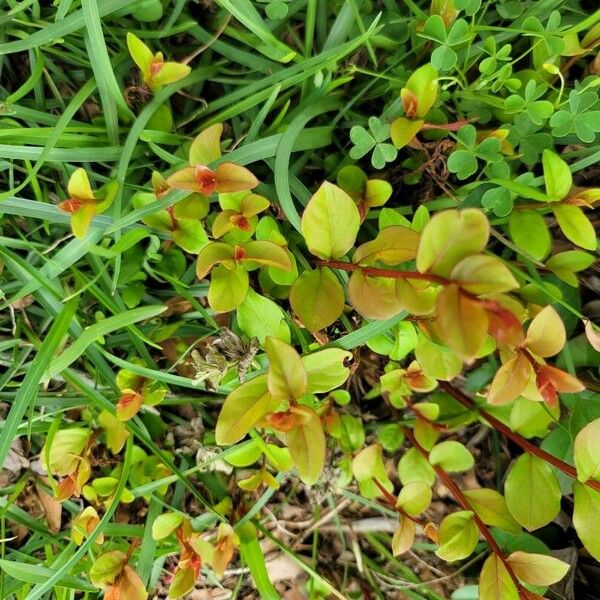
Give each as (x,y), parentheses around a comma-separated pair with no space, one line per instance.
(131,587)
(129,404)
(423,86)
(393,245)
(373,297)
(537,569)
(183,582)
(79,185)
(450,236)
(206,147)
(107,567)
(495,582)
(233,178)
(415,297)
(287,375)
(510,380)
(193,179)
(223,551)
(462,321)
(306,444)
(404,536)
(546,334)
(483,274)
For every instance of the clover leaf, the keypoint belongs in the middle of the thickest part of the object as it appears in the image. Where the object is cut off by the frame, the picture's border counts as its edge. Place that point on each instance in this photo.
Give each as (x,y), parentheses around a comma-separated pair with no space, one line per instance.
(373,140)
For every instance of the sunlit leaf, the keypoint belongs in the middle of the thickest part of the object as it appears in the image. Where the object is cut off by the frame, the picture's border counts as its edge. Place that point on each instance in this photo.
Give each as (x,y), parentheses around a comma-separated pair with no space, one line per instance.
(546,334)
(495,582)
(287,375)
(458,536)
(206,147)
(393,245)
(306,444)
(537,569)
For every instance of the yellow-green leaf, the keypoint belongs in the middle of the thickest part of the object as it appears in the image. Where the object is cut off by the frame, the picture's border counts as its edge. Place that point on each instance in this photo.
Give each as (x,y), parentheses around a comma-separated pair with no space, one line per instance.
(537,569)
(106,568)
(393,245)
(368,465)
(79,185)
(490,506)
(458,536)
(317,298)
(575,225)
(451,456)
(414,497)
(585,517)
(373,297)
(242,409)
(495,582)
(287,375)
(403,130)
(532,492)
(557,176)
(482,274)
(330,222)
(140,53)
(326,369)
(206,147)
(546,335)
(450,236)
(587,452)
(228,288)
(306,443)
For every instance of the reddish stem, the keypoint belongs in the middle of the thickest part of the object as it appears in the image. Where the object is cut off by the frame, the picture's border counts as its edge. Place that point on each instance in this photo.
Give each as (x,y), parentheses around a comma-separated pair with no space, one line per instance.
(346,266)
(462,500)
(515,437)
(447,126)
(391,501)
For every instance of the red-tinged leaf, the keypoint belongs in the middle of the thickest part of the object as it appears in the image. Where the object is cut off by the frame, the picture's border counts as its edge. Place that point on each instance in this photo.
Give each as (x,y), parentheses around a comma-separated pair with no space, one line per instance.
(504,326)
(129,404)
(546,333)
(224,548)
(206,147)
(230,177)
(463,322)
(193,179)
(306,444)
(511,380)
(562,381)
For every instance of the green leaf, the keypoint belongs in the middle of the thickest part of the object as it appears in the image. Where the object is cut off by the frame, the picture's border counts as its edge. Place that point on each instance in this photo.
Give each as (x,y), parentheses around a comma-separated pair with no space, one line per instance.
(306,443)
(190,235)
(532,492)
(368,465)
(206,147)
(330,222)
(228,288)
(260,317)
(424,86)
(482,274)
(585,517)
(403,130)
(537,569)
(164,525)
(458,536)
(575,225)
(242,409)
(287,375)
(451,456)
(450,236)
(557,176)
(528,230)
(414,498)
(326,370)
(490,506)
(495,582)
(91,334)
(587,452)
(141,54)
(413,466)
(36,573)
(317,297)
(393,245)
(107,567)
